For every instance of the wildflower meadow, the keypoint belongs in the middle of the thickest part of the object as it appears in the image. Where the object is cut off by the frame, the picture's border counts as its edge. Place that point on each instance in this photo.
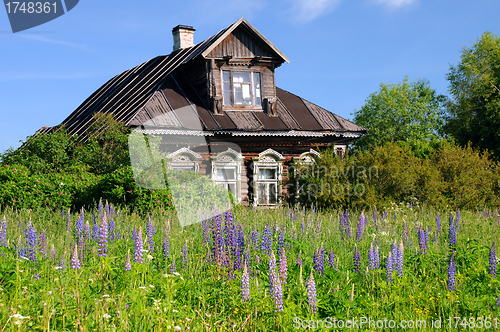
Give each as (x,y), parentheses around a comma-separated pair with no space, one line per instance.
(247,269)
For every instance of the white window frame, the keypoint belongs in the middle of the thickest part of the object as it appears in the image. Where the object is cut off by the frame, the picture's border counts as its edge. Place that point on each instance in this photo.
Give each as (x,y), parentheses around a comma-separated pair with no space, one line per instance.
(229,159)
(183,159)
(231,102)
(267,159)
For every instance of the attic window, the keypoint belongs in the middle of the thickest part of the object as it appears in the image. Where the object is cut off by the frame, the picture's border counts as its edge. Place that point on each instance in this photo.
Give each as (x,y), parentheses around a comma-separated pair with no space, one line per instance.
(241,89)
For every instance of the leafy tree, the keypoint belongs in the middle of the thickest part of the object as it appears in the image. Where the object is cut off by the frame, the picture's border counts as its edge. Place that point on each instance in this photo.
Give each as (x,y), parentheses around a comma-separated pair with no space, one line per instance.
(474,114)
(405,112)
(107,147)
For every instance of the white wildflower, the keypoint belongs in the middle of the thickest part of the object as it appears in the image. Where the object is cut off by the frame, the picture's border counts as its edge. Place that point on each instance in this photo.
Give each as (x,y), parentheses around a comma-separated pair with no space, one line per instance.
(105,295)
(106,316)
(177,328)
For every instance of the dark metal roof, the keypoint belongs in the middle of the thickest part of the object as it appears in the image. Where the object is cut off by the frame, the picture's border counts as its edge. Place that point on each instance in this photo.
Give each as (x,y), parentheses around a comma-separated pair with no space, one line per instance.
(152,94)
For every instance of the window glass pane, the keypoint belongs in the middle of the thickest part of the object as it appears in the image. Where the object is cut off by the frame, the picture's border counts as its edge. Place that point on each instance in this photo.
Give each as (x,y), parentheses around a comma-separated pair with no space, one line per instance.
(261,194)
(267,173)
(226,174)
(272,193)
(183,168)
(238,94)
(247,98)
(226,88)
(241,77)
(256,85)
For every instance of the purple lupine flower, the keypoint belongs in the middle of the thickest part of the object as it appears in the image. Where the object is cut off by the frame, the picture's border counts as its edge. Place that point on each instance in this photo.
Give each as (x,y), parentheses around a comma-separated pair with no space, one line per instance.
(281,241)
(275,283)
(127,266)
(172,266)
(79,225)
(3,232)
(149,234)
(245,285)
(421,240)
(248,261)
(357,260)
(452,235)
(32,244)
(438,223)
(299,259)
(360,231)
(331,258)
(394,252)
(111,228)
(371,257)
(376,257)
(451,273)
(399,260)
(166,246)
(184,251)
(237,259)
(388,268)
(283,271)
(493,261)
(266,245)
(311,293)
(75,262)
(103,238)
(86,231)
(138,258)
(255,238)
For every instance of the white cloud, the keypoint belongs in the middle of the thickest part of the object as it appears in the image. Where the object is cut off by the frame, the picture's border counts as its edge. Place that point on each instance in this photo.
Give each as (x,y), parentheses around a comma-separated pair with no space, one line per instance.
(308,10)
(396,3)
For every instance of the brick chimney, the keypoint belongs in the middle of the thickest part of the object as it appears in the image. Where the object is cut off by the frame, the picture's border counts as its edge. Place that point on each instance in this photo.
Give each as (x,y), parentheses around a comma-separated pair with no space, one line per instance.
(183,36)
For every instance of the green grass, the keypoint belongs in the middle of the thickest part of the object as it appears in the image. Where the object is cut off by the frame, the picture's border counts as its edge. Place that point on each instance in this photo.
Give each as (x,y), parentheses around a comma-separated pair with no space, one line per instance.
(206,296)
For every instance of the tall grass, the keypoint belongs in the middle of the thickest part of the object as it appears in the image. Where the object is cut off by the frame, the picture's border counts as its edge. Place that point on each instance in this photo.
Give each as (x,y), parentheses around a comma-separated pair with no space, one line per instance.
(205,295)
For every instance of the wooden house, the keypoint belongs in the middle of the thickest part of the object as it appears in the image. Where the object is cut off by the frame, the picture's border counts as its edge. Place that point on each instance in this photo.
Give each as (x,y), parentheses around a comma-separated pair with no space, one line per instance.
(221,93)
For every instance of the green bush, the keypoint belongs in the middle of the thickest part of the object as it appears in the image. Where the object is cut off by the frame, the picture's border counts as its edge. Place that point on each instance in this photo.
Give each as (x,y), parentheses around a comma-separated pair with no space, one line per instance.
(450,176)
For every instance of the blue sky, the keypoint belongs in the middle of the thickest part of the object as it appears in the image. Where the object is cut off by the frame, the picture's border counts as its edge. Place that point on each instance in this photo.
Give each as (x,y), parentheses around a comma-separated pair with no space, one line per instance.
(340,51)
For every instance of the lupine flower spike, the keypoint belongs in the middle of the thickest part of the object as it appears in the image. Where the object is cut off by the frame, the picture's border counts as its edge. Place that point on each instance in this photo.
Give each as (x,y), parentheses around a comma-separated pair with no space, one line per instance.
(357,265)
(493,261)
(451,273)
(75,262)
(311,292)
(245,285)
(138,258)
(127,266)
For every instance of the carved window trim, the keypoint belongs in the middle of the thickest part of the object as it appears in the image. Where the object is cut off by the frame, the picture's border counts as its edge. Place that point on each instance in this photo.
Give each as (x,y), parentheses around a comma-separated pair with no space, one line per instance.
(268,159)
(231,68)
(308,157)
(182,159)
(229,159)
